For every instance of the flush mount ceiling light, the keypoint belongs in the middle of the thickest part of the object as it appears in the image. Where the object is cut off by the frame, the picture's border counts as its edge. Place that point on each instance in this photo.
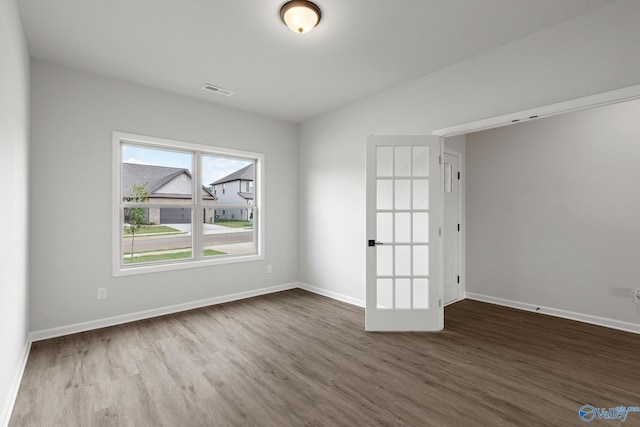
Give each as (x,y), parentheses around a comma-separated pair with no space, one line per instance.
(300,15)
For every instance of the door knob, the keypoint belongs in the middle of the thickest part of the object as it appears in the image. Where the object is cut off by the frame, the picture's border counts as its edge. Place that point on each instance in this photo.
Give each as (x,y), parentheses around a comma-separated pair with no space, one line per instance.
(374,243)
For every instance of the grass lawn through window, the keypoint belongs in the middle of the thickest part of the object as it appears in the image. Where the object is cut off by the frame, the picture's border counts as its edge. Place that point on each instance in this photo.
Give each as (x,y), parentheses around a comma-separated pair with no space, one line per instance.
(234,223)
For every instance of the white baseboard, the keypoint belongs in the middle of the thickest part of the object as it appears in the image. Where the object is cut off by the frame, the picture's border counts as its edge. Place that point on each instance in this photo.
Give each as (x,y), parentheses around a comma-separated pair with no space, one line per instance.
(7,408)
(586,318)
(141,315)
(453,301)
(332,295)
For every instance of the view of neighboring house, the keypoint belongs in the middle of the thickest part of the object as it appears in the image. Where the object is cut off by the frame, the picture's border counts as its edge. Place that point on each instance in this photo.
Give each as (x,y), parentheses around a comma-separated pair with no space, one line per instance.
(164,184)
(235,189)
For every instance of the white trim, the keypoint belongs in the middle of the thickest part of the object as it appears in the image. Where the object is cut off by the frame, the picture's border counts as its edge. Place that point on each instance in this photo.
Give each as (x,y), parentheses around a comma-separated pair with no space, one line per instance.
(611,97)
(462,288)
(197,150)
(453,301)
(146,314)
(186,264)
(116,214)
(580,317)
(7,409)
(176,145)
(333,295)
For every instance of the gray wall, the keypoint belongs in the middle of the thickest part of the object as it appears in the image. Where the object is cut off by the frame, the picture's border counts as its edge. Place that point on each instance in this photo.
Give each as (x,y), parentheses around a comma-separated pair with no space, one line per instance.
(591,54)
(14,175)
(74,114)
(553,212)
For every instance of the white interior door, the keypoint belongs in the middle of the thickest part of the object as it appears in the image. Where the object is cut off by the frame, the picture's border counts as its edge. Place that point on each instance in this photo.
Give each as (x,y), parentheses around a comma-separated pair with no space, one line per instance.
(451,226)
(404,204)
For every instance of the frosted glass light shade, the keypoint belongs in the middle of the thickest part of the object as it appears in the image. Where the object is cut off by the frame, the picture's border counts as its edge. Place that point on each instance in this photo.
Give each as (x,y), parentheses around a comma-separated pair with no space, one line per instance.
(300,15)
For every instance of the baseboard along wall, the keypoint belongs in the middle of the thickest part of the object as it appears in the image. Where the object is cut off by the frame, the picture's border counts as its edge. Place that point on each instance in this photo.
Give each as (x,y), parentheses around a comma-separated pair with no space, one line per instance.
(147,314)
(333,295)
(550,311)
(7,408)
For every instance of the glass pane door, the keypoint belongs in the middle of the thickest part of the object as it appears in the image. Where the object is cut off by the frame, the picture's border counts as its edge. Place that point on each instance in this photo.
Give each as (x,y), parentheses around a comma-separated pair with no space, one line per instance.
(403,220)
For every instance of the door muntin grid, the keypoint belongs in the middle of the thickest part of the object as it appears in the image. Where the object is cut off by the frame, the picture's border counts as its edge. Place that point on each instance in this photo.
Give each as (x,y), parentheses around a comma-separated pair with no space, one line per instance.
(402,227)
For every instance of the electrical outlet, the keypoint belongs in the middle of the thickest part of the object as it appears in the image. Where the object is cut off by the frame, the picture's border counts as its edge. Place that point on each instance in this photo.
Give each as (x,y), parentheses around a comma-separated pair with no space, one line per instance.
(636,296)
(102,293)
(269,269)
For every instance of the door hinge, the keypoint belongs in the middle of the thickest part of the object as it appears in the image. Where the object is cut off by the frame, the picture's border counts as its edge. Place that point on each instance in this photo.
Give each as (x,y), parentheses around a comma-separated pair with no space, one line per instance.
(439,231)
(458,279)
(458,227)
(439,303)
(439,160)
(458,175)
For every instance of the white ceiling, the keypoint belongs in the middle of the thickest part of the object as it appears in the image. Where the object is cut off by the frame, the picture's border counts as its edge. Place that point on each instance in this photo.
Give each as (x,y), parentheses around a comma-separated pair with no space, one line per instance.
(360,47)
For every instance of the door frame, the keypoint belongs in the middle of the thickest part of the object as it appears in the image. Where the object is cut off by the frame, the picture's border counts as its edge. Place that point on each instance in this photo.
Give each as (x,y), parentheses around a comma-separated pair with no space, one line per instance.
(601,99)
(614,96)
(462,290)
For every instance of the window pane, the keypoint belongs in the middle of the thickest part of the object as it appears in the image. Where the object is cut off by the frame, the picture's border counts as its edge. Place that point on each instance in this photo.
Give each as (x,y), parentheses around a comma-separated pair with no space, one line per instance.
(402,161)
(384,225)
(232,237)
(155,175)
(228,199)
(403,293)
(420,194)
(403,194)
(384,194)
(385,293)
(403,227)
(421,227)
(420,260)
(420,293)
(384,161)
(144,242)
(403,260)
(420,161)
(384,260)
(228,184)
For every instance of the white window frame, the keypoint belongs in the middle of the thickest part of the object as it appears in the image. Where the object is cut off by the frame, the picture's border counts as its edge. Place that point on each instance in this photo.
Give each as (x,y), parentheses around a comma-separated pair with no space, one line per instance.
(198,259)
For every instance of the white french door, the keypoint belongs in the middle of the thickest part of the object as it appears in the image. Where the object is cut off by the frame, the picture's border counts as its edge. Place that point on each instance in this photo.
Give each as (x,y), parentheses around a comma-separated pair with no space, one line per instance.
(404,211)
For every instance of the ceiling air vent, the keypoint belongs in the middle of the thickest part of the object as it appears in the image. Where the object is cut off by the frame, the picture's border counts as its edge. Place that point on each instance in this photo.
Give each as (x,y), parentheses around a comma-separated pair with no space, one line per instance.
(217,89)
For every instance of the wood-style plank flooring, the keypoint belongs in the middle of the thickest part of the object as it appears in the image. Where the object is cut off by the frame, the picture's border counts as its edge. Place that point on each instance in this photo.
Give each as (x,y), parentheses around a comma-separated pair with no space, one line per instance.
(298,359)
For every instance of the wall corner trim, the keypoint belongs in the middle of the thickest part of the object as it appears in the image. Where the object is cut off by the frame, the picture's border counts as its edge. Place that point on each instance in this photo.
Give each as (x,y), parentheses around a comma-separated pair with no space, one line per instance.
(580,317)
(333,295)
(7,408)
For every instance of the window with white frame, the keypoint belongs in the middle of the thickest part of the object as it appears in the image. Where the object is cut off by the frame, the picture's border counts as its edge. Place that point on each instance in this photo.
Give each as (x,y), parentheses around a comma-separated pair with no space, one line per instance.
(167,214)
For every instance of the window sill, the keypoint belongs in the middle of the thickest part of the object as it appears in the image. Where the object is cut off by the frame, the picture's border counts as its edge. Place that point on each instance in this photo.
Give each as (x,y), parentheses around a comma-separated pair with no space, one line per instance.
(119,271)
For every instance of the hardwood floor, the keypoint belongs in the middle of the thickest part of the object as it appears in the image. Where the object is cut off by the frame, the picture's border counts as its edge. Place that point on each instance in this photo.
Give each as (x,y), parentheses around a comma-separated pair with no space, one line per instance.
(298,359)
